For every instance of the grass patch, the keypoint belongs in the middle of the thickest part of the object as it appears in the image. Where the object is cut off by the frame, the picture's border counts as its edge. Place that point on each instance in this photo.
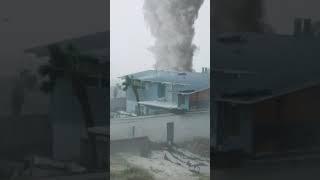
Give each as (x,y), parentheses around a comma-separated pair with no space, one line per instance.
(132,173)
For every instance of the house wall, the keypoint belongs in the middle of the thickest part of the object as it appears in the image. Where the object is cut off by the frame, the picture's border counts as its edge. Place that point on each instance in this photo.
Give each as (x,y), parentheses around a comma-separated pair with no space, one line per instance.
(300,111)
(289,122)
(169,94)
(98,102)
(265,123)
(118,104)
(187,104)
(67,119)
(200,99)
(246,128)
(67,122)
(149,93)
(214,126)
(233,127)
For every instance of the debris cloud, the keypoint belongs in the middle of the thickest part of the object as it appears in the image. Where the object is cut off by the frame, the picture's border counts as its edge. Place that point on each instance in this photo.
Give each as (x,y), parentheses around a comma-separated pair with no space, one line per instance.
(171,22)
(238,16)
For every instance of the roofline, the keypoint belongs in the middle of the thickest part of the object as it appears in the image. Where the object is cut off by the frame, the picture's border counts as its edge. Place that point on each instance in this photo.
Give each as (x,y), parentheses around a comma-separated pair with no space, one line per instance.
(305,86)
(164,82)
(248,33)
(158,106)
(230,100)
(173,71)
(195,91)
(42,50)
(118,120)
(231,71)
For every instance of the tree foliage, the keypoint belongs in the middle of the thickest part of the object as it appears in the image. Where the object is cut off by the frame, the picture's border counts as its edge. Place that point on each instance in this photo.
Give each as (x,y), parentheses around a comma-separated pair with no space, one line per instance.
(131,82)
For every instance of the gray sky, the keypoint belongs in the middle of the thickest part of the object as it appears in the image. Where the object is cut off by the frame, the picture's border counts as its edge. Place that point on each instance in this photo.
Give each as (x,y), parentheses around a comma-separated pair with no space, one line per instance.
(38,22)
(281,13)
(130,38)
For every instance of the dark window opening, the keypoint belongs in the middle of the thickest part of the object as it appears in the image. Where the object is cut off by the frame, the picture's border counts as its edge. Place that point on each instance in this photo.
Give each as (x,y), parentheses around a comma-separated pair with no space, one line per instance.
(181,100)
(232,120)
(161,91)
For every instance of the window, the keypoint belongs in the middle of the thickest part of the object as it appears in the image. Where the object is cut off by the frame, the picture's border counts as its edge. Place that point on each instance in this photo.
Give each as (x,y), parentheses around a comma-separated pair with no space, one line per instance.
(161,91)
(181,100)
(232,121)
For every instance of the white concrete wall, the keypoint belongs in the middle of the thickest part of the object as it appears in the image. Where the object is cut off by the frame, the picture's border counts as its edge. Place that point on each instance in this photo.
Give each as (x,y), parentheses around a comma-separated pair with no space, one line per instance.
(187,126)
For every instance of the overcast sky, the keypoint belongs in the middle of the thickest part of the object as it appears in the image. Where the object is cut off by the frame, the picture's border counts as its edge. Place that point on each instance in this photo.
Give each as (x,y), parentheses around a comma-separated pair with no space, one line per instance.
(24,24)
(36,22)
(130,38)
(281,13)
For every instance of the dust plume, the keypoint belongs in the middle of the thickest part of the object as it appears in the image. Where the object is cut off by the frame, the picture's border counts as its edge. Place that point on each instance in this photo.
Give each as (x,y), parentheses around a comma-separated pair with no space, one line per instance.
(239,16)
(171,22)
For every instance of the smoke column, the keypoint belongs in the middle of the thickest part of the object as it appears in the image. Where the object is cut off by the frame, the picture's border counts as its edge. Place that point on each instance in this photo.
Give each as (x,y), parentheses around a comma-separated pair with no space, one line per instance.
(238,16)
(171,22)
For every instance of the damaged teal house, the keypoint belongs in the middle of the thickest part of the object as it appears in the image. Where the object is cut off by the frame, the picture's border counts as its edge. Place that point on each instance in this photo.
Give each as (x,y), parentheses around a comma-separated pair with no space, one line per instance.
(161,91)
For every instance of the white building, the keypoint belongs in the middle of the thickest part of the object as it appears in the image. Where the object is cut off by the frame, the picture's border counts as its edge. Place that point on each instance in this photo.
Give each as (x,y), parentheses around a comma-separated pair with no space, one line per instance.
(160,91)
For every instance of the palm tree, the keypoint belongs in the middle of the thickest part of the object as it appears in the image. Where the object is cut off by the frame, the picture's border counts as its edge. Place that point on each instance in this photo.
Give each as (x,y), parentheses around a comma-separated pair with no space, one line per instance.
(64,63)
(134,84)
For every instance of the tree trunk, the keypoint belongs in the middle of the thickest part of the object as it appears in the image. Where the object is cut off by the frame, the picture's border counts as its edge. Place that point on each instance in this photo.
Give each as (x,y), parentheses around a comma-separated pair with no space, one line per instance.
(82,95)
(135,91)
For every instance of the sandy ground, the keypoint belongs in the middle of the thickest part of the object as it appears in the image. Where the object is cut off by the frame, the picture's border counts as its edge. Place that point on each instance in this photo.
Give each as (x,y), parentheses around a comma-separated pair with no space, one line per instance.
(95,176)
(161,168)
(269,174)
(305,170)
